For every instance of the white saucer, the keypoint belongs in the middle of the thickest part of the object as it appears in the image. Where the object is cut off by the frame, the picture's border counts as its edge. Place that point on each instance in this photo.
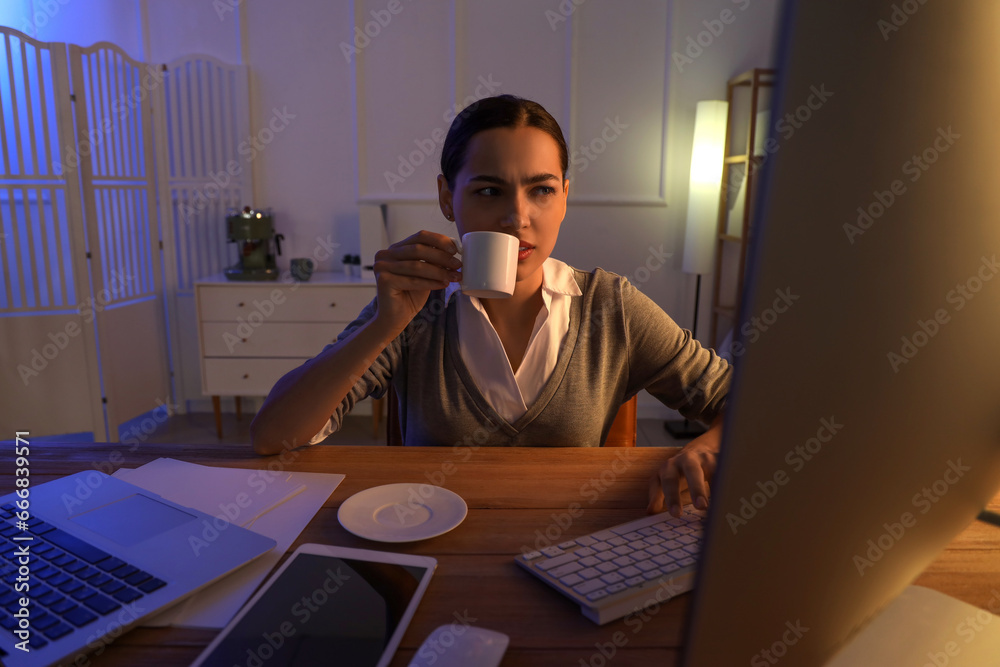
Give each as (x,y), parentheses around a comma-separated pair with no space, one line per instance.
(402,512)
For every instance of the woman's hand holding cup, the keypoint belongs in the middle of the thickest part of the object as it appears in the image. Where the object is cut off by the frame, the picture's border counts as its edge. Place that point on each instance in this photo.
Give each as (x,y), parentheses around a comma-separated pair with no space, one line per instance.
(407,271)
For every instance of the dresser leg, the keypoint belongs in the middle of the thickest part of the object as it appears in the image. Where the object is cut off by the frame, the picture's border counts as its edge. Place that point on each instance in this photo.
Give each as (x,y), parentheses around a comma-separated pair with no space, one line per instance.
(217,406)
(239,408)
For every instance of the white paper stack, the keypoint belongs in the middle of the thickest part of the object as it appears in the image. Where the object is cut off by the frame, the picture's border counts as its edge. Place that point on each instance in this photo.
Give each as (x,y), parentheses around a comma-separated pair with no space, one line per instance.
(276,504)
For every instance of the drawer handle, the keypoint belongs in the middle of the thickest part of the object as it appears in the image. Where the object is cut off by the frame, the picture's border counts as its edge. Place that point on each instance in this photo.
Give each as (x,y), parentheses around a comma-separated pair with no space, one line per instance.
(243,339)
(333,305)
(240,304)
(246,376)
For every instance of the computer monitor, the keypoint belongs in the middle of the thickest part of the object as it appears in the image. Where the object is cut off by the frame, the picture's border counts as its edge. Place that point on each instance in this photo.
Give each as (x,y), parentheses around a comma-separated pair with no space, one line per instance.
(863,431)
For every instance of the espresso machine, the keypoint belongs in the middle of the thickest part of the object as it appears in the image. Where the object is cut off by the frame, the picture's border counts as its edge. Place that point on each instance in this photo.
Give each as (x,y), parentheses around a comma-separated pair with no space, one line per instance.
(253,232)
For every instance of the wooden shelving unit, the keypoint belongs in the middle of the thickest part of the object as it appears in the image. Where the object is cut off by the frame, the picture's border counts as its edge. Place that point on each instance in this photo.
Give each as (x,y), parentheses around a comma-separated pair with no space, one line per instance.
(749,95)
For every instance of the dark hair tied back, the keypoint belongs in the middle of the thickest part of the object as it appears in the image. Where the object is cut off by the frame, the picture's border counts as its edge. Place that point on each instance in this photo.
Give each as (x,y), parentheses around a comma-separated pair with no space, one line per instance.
(491,112)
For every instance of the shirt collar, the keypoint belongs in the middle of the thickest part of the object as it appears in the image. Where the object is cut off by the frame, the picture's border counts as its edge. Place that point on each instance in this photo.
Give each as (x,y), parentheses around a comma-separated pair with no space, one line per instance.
(557,278)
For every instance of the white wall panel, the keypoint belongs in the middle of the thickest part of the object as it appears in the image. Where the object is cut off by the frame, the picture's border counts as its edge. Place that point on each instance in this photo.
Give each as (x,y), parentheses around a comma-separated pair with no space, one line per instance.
(620,56)
(307,173)
(404,95)
(510,42)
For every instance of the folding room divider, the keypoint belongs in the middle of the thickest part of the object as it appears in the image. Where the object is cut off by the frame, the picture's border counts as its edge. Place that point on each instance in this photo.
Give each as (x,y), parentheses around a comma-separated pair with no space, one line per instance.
(49,370)
(82,300)
(202,120)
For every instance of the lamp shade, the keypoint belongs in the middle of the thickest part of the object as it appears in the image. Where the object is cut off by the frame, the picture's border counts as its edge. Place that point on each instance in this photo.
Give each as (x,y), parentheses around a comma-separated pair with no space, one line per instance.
(705,186)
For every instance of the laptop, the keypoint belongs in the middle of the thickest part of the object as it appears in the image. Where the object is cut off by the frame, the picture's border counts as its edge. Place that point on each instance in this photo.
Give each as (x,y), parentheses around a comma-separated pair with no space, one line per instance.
(89,556)
(863,430)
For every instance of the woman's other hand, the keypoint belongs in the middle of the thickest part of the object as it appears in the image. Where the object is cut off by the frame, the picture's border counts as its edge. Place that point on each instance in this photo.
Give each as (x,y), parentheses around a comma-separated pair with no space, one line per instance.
(695,462)
(407,271)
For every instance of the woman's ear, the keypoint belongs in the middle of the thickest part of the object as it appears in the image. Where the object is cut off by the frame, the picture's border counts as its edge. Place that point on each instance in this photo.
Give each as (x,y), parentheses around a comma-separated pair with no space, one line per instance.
(445,200)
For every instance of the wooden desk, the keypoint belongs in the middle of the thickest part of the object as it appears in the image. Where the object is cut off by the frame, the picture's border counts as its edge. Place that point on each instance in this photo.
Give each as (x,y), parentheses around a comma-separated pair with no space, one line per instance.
(514,497)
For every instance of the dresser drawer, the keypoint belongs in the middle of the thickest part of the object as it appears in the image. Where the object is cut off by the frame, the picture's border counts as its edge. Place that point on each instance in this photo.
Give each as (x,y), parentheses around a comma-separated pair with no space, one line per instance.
(244,377)
(282,303)
(270,339)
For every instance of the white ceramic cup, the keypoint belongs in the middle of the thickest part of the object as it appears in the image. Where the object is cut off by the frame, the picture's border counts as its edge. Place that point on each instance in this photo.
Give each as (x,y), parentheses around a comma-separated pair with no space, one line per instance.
(489,264)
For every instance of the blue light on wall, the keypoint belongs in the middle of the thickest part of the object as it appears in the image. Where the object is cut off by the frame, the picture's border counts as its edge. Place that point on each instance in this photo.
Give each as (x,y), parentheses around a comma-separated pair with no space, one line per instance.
(18,14)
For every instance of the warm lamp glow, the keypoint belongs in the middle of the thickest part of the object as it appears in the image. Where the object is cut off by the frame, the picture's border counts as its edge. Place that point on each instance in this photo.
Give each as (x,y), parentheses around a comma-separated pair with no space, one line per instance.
(705,186)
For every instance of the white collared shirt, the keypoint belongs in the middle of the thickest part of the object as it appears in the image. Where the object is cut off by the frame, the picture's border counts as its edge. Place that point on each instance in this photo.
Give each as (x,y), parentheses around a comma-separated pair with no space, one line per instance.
(509,393)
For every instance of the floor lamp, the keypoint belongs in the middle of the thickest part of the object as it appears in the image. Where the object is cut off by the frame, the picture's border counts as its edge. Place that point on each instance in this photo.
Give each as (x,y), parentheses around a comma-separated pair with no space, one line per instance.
(704,190)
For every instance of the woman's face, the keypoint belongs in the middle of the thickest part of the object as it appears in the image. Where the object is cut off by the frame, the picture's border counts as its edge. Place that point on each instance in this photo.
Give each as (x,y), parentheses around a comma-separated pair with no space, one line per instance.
(512,183)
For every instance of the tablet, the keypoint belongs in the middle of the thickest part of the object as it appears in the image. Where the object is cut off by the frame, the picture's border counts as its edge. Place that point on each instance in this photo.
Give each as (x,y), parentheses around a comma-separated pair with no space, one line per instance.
(326,606)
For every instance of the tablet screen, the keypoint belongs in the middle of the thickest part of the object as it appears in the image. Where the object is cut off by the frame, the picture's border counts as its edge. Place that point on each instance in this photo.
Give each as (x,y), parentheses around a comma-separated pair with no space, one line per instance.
(322,610)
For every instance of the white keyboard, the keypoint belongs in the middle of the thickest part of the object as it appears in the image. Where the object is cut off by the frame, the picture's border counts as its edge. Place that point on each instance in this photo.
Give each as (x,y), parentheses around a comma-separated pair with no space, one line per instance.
(614,572)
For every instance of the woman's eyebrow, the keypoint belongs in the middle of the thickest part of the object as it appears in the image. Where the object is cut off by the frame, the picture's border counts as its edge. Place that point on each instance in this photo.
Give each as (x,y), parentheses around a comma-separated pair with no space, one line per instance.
(531,180)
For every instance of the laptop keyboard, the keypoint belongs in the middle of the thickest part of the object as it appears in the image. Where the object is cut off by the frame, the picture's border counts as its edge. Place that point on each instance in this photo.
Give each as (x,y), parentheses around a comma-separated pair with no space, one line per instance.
(614,572)
(72,583)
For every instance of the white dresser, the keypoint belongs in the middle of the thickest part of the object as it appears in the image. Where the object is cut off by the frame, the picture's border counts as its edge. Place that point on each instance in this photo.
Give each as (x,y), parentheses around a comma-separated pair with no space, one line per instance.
(252,333)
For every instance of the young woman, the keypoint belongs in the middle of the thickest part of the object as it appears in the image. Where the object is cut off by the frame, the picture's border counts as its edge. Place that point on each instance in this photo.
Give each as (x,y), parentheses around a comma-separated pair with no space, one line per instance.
(549,366)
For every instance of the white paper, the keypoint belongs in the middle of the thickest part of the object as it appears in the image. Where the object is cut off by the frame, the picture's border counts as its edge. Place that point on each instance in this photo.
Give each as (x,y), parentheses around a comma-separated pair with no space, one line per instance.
(237,495)
(280,505)
(925,627)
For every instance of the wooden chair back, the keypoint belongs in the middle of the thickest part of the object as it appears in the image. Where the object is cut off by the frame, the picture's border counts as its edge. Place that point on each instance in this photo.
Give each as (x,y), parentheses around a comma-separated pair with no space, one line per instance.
(624,427)
(622,433)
